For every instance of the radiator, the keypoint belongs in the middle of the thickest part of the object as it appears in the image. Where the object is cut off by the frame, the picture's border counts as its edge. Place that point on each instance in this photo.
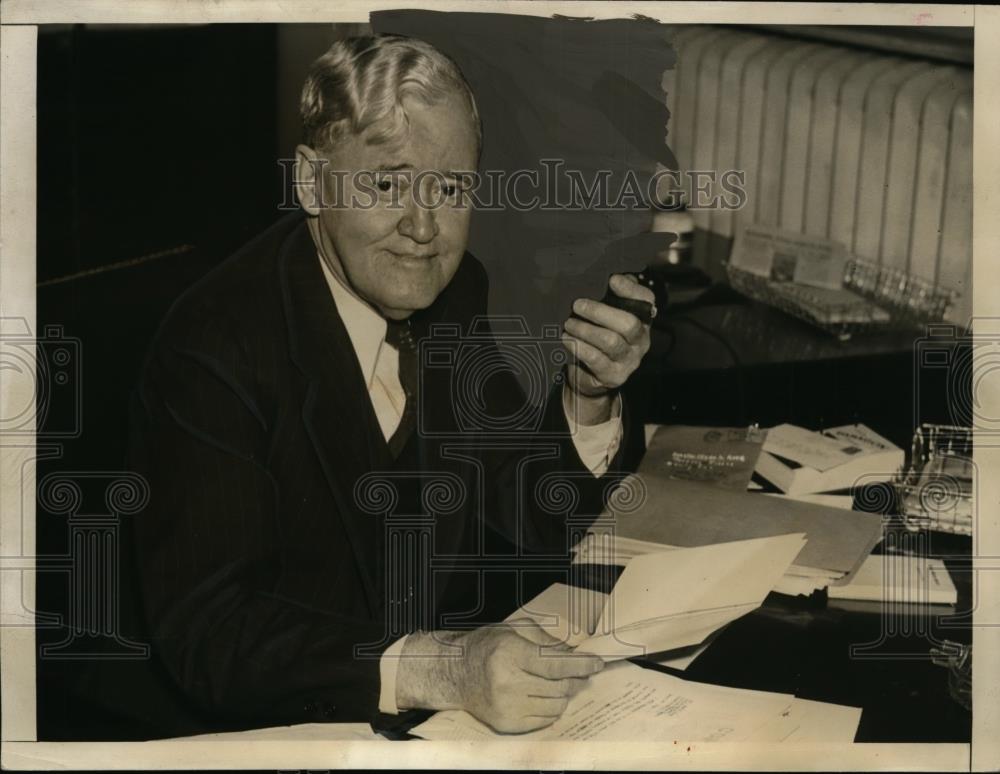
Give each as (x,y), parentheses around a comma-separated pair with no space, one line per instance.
(870,149)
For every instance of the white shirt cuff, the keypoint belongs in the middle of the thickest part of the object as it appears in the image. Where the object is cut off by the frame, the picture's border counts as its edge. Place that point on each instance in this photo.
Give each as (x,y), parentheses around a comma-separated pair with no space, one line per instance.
(388,665)
(597,445)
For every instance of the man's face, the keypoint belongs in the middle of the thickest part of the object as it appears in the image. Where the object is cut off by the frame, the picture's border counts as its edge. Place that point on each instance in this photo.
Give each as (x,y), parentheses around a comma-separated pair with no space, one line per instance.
(402,227)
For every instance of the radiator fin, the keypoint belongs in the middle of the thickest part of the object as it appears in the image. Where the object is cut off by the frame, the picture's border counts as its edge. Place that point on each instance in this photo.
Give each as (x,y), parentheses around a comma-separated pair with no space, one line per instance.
(870,149)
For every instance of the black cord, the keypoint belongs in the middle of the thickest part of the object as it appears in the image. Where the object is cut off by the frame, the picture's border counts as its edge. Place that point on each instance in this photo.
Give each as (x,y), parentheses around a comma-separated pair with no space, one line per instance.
(737,363)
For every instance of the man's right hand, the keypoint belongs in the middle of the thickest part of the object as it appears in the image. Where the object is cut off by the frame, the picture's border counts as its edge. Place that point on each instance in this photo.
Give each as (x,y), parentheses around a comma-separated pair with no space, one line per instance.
(513,677)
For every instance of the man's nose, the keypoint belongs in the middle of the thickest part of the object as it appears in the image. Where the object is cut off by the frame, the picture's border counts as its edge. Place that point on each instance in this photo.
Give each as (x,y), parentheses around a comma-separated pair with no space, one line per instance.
(418,223)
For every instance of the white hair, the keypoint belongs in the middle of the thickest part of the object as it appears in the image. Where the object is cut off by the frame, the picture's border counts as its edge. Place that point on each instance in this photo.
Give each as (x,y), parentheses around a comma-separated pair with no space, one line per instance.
(360,82)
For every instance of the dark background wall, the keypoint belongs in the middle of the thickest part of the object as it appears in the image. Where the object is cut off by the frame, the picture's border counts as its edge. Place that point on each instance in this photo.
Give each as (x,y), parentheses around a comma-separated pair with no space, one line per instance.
(157,150)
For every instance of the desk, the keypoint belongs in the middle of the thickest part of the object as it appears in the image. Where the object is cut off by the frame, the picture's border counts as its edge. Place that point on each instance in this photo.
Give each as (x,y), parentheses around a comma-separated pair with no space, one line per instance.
(736,362)
(803,646)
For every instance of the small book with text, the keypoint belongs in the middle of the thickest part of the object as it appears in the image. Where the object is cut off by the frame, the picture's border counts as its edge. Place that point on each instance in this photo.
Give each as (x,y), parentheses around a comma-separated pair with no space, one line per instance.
(799,461)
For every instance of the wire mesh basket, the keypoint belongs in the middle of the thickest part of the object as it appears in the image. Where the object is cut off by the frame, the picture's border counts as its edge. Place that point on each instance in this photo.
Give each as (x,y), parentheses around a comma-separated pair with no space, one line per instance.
(873,297)
(936,491)
(910,300)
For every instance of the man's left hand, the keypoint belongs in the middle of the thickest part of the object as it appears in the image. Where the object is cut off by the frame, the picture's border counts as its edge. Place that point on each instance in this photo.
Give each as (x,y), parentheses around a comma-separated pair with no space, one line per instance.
(608,345)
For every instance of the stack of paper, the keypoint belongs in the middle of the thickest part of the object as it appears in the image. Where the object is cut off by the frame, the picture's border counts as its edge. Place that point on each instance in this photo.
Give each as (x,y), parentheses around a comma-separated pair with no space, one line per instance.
(602,549)
(900,580)
(625,702)
(301,732)
(675,513)
(845,502)
(800,461)
(665,601)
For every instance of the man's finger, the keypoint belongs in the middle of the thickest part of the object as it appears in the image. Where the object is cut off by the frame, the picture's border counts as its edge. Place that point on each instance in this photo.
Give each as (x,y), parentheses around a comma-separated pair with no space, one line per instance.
(588,354)
(558,666)
(545,707)
(627,286)
(527,723)
(531,631)
(623,323)
(608,341)
(566,687)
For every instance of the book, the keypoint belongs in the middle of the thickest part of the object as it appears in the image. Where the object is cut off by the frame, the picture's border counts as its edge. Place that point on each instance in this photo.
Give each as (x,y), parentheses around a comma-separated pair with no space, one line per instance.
(720,456)
(899,579)
(654,508)
(800,461)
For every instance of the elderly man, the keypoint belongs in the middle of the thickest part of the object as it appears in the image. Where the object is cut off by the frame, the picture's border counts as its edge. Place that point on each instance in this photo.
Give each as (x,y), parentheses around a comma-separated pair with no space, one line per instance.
(287,380)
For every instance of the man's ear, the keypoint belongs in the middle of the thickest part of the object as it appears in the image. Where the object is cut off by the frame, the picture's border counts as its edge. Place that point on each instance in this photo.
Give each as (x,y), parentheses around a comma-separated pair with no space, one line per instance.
(309,179)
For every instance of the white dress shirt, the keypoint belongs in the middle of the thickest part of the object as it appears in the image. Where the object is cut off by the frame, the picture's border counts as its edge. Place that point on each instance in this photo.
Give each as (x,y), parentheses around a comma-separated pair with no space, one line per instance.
(379,361)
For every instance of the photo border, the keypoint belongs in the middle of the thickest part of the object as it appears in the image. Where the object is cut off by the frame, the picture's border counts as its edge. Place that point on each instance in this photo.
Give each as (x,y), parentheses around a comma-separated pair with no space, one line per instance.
(18,749)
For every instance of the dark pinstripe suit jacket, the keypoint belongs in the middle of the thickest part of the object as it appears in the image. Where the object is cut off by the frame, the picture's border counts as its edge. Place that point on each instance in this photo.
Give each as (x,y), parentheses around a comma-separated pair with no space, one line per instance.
(260,575)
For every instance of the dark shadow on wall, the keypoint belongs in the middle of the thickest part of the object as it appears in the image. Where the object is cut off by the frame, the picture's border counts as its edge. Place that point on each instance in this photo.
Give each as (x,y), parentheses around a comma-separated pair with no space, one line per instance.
(156,160)
(586,93)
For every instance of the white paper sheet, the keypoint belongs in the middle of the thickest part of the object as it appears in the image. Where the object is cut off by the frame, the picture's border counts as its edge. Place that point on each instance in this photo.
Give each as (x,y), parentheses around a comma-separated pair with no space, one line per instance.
(806,721)
(626,702)
(845,502)
(805,447)
(685,657)
(601,550)
(304,732)
(666,600)
(681,587)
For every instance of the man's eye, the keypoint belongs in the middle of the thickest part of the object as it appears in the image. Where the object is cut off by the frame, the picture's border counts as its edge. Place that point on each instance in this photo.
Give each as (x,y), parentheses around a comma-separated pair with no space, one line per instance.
(450,190)
(384,184)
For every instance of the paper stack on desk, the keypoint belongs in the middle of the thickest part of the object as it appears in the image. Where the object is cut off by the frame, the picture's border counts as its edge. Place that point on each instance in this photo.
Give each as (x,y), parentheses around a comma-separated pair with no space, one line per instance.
(896,579)
(674,513)
(626,702)
(665,601)
(800,461)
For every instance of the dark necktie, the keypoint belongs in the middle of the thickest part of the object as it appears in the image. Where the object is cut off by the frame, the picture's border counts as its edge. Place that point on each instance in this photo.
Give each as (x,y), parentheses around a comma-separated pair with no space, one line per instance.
(399,334)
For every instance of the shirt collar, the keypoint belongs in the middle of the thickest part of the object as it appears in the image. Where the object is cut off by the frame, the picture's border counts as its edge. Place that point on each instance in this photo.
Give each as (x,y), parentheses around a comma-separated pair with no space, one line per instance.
(365,327)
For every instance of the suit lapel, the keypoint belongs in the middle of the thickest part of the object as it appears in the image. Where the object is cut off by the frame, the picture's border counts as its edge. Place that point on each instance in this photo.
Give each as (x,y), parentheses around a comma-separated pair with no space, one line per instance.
(337,411)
